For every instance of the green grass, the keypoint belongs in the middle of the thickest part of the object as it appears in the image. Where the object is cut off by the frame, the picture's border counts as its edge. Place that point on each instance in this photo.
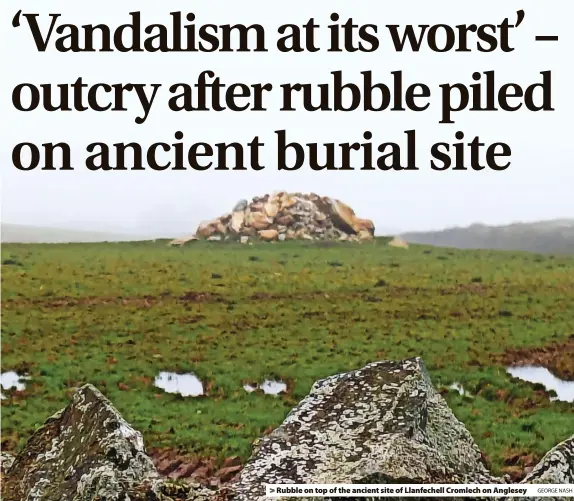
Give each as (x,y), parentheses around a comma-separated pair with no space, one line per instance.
(112,313)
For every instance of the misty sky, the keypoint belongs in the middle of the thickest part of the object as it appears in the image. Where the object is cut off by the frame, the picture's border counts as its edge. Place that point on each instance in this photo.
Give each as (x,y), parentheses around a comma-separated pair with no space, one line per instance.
(538,185)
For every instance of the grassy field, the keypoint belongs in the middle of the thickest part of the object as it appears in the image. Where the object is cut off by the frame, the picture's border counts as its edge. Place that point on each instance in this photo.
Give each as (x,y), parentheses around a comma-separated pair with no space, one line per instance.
(115,315)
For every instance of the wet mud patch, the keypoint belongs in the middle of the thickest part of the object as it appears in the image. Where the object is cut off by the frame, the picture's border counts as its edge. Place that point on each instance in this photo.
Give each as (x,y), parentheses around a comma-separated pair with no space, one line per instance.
(207,471)
(558,358)
(146,301)
(69,302)
(201,297)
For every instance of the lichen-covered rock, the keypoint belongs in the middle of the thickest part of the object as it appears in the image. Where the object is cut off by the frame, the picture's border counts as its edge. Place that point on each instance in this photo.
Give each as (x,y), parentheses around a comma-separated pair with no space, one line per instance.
(85,452)
(556,467)
(384,423)
(6,461)
(166,490)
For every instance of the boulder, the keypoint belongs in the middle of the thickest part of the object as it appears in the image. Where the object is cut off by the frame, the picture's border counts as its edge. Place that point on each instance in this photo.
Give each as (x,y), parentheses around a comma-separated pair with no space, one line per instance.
(258,220)
(287,201)
(399,242)
(240,206)
(268,235)
(364,225)
(364,235)
(384,423)
(84,452)
(256,207)
(166,490)
(208,229)
(237,221)
(179,242)
(6,461)
(271,208)
(320,217)
(556,467)
(344,217)
(225,218)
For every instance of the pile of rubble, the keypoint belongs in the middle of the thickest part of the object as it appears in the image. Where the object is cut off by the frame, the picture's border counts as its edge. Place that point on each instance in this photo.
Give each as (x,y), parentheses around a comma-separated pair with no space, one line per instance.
(288,216)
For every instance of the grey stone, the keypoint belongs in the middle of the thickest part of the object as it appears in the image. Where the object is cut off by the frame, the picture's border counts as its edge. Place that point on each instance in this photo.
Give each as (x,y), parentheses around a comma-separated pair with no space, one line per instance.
(6,461)
(556,467)
(384,423)
(83,452)
(240,206)
(167,490)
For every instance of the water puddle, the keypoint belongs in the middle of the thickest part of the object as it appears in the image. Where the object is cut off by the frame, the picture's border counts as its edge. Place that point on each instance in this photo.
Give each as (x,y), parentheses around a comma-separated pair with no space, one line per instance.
(12,380)
(458,387)
(187,385)
(533,374)
(268,387)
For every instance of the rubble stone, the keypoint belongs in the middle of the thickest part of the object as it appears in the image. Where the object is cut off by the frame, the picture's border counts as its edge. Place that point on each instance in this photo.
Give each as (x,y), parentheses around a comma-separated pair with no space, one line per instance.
(294,216)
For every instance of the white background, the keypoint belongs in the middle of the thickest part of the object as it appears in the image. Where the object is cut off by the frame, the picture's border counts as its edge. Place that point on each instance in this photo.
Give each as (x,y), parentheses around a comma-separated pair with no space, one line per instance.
(538,185)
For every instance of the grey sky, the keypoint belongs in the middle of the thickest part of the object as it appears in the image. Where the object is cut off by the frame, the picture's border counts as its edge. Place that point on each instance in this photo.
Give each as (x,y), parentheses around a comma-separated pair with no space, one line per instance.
(538,185)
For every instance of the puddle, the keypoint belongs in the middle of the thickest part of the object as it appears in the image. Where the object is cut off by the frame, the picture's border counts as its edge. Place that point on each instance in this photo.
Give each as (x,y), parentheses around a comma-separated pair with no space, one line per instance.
(187,385)
(268,387)
(9,380)
(533,374)
(458,387)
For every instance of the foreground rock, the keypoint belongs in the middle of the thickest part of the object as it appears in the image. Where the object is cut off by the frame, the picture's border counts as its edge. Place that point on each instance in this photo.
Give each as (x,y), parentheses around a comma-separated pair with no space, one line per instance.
(288,216)
(556,467)
(81,453)
(381,424)
(384,423)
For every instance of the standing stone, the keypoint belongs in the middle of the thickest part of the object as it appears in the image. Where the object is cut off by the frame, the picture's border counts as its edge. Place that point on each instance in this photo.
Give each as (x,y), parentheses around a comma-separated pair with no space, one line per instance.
(384,423)
(84,452)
